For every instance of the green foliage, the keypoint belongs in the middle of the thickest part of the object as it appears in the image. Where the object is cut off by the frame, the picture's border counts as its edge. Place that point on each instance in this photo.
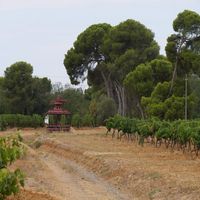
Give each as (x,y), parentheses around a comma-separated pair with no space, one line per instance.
(155,104)
(183,47)
(167,99)
(2,124)
(148,84)
(87,120)
(168,108)
(187,22)
(17,87)
(161,91)
(3,101)
(182,50)
(18,120)
(194,84)
(10,182)
(140,80)
(36,121)
(77,102)
(105,108)
(175,108)
(93,110)
(10,150)
(20,93)
(127,45)
(131,34)
(180,134)
(86,52)
(76,120)
(124,71)
(105,55)
(161,69)
(101,108)
(171,48)
(41,88)
(157,110)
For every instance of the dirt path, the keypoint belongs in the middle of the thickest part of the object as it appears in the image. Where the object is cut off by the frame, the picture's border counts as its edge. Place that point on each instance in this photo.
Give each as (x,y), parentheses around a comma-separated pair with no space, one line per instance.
(73,182)
(85,164)
(63,179)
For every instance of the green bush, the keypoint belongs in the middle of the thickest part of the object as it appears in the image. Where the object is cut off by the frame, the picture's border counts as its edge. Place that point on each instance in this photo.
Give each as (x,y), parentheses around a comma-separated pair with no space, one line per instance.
(87,120)
(10,182)
(180,133)
(2,124)
(20,121)
(76,120)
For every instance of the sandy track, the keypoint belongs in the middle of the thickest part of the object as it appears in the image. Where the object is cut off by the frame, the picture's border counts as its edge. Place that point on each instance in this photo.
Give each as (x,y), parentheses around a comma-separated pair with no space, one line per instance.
(75,182)
(68,166)
(63,179)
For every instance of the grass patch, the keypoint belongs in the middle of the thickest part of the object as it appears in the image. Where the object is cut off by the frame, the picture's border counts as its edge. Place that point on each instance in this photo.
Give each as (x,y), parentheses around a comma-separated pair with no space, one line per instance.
(153,192)
(154,175)
(37,144)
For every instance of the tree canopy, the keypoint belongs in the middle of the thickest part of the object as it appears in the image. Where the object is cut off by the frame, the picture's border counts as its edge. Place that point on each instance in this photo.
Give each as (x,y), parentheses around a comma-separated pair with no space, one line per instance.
(105,54)
(183,47)
(167,100)
(17,86)
(123,62)
(22,93)
(125,74)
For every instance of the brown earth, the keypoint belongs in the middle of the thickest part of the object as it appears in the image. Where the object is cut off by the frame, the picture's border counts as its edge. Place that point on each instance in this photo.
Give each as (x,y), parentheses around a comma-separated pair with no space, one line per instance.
(85,164)
(30,195)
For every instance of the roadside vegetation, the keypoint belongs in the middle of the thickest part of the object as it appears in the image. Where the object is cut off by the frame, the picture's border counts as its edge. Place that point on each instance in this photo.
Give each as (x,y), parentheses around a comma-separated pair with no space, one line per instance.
(11,149)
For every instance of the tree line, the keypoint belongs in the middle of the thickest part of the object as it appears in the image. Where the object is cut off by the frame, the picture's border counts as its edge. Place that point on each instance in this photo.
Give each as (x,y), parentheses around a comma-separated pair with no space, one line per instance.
(125,73)
(24,98)
(21,93)
(123,62)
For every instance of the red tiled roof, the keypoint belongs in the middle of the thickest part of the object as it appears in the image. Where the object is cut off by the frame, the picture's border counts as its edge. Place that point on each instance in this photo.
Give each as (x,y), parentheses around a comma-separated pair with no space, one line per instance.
(58,112)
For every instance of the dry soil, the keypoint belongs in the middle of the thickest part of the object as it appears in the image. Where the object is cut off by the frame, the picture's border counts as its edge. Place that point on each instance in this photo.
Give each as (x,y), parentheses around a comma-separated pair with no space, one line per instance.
(85,164)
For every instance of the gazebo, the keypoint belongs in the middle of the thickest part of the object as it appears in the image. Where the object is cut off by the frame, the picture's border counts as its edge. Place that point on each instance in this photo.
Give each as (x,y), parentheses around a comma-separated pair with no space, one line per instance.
(58,118)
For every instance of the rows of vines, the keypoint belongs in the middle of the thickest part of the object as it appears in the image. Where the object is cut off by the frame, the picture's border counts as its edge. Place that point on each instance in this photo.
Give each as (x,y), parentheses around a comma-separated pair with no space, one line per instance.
(179,135)
(18,120)
(10,150)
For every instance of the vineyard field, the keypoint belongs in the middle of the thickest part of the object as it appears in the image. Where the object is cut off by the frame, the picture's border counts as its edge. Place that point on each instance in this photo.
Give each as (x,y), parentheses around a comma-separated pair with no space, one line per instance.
(95,166)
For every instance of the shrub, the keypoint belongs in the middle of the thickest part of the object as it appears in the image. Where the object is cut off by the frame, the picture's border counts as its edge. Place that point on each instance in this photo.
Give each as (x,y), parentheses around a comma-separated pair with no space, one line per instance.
(10,182)
(20,121)
(76,120)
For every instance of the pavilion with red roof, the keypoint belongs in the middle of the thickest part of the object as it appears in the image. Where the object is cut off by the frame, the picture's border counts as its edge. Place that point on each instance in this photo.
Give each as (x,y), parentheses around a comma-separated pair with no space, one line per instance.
(58,119)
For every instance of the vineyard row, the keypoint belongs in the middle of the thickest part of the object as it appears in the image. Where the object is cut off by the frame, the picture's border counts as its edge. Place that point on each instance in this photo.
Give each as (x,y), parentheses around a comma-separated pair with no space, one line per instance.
(180,135)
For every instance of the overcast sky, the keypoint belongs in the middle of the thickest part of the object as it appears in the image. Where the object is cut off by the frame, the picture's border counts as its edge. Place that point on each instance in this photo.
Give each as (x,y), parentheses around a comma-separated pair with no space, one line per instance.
(41,31)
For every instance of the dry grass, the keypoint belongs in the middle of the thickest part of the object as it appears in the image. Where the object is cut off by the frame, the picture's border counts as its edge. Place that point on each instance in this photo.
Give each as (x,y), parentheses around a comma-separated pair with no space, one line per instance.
(142,172)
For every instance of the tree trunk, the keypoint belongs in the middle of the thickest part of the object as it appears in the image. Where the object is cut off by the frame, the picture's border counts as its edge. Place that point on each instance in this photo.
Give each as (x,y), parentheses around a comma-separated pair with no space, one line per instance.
(108,85)
(119,99)
(140,109)
(122,103)
(124,100)
(174,75)
(119,93)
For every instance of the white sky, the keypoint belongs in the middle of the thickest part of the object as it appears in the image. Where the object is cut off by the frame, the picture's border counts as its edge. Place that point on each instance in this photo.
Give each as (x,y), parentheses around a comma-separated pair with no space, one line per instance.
(41,31)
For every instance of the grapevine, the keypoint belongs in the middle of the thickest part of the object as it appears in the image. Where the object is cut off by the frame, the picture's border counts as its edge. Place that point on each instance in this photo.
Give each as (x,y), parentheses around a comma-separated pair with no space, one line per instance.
(11,149)
(179,134)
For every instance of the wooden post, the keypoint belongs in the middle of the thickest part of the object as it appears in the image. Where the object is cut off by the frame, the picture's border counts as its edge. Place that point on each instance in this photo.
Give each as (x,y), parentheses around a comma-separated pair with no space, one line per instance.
(186,102)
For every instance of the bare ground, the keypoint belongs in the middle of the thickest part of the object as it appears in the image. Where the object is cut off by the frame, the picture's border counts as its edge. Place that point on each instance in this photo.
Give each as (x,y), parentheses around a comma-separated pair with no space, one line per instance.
(85,164)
